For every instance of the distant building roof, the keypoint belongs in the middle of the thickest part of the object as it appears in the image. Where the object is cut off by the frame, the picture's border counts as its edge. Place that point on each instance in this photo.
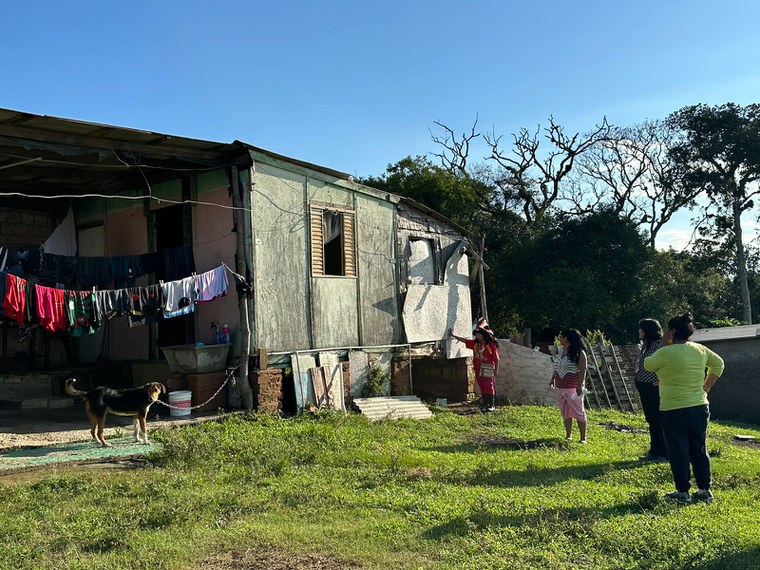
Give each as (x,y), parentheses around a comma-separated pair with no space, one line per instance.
(726,333)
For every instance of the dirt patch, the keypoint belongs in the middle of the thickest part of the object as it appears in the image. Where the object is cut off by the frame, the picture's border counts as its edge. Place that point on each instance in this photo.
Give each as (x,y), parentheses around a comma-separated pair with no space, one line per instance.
(268,558)
(36,475)
(621,427)
(34,428)
(752,443)
(464,408)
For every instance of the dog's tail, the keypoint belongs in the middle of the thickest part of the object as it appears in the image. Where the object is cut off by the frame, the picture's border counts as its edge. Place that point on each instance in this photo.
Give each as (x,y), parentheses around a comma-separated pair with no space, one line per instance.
(71,391)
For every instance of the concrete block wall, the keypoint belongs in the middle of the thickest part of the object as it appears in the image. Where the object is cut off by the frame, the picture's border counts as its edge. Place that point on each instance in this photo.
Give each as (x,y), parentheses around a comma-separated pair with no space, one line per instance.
(452,379)
(203,388)
(25,227)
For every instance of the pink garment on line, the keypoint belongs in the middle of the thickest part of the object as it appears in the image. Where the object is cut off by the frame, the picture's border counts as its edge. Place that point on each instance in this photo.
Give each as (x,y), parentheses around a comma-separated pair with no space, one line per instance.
(211,284)
(51,308)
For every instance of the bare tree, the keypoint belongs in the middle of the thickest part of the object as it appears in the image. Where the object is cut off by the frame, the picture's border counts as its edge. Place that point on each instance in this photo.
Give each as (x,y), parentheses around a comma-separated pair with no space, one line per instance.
(456,151)
(631,171)
(532,176)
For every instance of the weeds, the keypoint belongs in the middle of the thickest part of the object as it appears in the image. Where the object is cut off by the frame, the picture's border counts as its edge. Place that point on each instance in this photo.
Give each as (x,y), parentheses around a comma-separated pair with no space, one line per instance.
(498,491)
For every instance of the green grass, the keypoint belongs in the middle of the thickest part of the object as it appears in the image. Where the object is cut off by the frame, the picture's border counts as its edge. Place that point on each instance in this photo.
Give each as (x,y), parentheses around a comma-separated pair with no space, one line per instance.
(503,490)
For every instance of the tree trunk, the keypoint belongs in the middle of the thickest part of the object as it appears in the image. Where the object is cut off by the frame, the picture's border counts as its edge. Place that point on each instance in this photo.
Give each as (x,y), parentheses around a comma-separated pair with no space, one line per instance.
(741,264)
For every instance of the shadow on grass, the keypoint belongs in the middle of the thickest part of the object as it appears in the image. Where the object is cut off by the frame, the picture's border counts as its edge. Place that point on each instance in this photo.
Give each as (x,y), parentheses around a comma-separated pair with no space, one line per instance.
(571,520)
(547,476)
(744,560)
(494,443)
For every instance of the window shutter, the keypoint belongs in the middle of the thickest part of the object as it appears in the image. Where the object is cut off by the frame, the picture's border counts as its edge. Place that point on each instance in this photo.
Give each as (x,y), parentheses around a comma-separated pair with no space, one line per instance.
(317,246)
(349,245)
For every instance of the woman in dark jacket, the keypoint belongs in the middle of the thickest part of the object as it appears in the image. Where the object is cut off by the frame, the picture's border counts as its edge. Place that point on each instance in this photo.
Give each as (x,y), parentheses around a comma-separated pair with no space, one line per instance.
(648,386)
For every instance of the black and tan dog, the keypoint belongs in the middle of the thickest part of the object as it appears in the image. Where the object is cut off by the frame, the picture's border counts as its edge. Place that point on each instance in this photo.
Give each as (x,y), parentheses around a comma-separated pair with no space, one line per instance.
(133,402)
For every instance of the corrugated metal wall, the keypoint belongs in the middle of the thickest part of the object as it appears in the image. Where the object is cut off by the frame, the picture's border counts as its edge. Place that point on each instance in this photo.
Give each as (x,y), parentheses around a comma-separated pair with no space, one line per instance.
(378,280)
(296,310)
(280,283)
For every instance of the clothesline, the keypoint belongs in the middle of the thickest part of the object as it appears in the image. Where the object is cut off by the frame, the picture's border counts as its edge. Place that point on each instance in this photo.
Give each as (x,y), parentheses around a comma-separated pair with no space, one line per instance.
(82,312)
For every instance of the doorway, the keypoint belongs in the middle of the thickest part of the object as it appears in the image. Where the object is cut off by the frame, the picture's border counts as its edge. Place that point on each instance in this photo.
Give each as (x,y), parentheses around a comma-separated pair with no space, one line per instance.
(172,229)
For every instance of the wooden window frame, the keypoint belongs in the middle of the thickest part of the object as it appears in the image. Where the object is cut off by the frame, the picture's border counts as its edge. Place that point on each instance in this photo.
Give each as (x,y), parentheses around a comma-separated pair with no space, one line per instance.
(348,240)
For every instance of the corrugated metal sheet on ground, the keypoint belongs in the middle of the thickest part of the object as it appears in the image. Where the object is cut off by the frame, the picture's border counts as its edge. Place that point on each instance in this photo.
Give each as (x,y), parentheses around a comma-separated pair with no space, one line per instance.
(393,407)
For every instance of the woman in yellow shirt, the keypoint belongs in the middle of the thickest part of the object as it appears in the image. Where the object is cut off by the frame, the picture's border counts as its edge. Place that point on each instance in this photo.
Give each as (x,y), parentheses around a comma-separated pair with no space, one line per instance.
(680,366)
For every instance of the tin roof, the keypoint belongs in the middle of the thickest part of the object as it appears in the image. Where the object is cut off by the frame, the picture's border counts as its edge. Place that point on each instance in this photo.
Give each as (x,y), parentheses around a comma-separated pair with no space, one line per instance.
(44,155)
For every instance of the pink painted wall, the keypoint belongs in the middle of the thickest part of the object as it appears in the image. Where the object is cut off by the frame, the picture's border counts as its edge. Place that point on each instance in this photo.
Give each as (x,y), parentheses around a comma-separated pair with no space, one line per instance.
(214,242)
(126,234)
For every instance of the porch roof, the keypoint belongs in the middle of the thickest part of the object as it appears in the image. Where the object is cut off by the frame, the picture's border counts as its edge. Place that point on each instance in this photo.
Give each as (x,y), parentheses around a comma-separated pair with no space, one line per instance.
(50,156)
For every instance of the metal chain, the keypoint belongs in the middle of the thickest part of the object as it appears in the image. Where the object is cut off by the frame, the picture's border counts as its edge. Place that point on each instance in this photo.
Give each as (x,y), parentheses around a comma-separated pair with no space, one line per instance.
(227,379)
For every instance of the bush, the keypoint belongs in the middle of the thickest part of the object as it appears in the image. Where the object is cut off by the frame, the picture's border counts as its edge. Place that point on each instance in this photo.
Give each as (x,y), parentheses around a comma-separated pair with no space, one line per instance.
(377,381)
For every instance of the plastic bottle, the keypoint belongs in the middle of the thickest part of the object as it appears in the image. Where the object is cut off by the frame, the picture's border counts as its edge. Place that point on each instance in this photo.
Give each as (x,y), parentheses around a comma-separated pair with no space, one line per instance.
(225,337)
(575,395)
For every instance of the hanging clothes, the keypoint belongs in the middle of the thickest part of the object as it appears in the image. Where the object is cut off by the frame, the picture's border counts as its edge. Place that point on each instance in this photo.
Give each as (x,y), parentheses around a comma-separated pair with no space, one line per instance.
(211,285)
(125,269)
(58,271)
(51,308)
(179,297)
(63,240)
(80,312)
(14,301)
(94,272)
(111,303)
(147,303)
(2,292)
(178,263)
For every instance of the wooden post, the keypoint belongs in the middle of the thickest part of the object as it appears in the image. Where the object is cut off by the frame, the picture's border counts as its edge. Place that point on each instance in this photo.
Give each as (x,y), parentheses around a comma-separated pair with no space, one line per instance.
(481,277)
(243,295)
(263,359)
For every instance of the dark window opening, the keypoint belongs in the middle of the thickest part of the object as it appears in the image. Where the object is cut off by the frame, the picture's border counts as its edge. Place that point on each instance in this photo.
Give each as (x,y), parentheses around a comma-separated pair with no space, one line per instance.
(332,228)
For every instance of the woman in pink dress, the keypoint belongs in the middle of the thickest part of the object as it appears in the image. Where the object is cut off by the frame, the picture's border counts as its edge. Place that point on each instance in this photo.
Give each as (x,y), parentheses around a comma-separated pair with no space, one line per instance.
(568,378)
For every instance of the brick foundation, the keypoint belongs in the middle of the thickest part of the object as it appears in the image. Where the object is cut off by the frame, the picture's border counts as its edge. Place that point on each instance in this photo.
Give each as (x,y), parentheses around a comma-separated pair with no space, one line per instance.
(400,385)
(345,369)
(267,390)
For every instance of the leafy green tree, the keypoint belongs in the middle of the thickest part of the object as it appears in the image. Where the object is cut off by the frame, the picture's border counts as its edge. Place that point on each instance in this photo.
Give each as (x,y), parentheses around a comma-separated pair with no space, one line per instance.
(583,272)
(720,151)
(455,196)
(672,282)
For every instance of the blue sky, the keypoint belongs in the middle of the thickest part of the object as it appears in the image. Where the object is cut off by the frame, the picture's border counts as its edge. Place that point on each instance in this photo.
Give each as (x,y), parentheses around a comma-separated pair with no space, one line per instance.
(357,85)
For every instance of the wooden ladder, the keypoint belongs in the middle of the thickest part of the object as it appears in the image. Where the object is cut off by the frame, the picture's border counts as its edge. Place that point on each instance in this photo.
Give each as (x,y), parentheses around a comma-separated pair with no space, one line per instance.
(611,375)
(596,381)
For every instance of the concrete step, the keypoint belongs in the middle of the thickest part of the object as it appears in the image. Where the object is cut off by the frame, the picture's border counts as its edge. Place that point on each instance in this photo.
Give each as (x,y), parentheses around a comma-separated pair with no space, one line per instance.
(51,403)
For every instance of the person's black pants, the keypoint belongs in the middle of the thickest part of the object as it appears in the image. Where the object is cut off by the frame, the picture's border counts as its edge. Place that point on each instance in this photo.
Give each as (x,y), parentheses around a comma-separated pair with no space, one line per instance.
(685,434)
(650,402)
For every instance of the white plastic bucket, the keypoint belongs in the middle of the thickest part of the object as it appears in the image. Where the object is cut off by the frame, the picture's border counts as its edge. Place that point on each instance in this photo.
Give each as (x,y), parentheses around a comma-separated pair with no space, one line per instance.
(180,399)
